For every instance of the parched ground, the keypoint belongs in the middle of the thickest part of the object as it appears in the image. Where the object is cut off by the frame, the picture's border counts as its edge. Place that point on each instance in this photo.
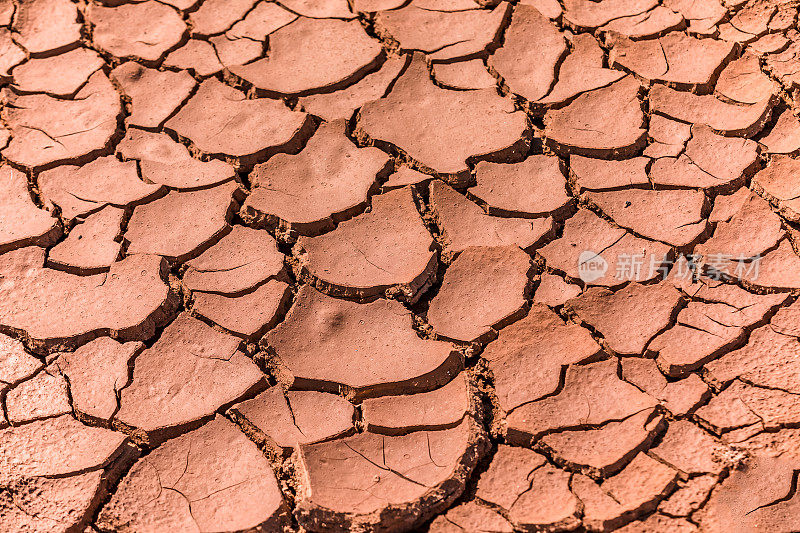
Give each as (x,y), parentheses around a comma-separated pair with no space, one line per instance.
(395,265)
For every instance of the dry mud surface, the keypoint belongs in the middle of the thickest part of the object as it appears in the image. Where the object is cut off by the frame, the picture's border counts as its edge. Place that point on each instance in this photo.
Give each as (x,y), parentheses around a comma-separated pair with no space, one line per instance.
(399,265)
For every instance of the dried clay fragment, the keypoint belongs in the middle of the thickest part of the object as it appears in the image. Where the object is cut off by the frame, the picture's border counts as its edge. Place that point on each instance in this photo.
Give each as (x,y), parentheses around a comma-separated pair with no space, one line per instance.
(528,357)
(464,75)
(97,372)
(21,222)
(653,23)
(320,8)
(169,226)
(749,22)
(343,103)
(751,230)
(691,450)
(484,288)
(284,420)
(743,81)
(633,492)
(54,308)
(210,479)
(601,174)
(549,8)
(313,55)
(197,56)
(143,30)
(55,505)
(668,137)
(784,136)
(470,516)
(154,94)
(592,395)
(710,161)
(16,364)
(11,54)
(395,481)
(711,329)
(442,35)
(777,269)
(59,75)
(671,216)
(534,494)
(675,58)
(92,245)
(216,16)
(770,43)
(678,397)
(742,405)
(55,473)
(701,17)
(438,409)
(688,497)
(605,449)
(447,127)
(532,188)
(601,123)
(43,396)
(779,183)
(387,248)
(465,224)
(728,119)
(405,176)
(239,261)
(553,291)
(209,57)
(63,447)
(247,314)
(325,183)
(364,339)
(183,378)
(166,162)
(582,70)
(81,190)
(760,495)
(220,120)
(46,25)
(595,252)
(630,317)
(532,48)
(783,64)
(47,130)
(261,21)
(592,14)
(768,360)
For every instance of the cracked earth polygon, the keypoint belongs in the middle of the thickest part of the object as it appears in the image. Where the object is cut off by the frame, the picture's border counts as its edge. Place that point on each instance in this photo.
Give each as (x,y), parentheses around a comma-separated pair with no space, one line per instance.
(454,266)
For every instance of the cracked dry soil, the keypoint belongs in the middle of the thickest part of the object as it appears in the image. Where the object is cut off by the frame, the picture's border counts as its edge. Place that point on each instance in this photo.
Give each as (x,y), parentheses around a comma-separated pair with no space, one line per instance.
(320,265)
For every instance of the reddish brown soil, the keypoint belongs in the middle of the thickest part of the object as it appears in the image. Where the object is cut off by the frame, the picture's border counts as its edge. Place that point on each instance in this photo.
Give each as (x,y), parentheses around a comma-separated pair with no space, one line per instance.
(455,266)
